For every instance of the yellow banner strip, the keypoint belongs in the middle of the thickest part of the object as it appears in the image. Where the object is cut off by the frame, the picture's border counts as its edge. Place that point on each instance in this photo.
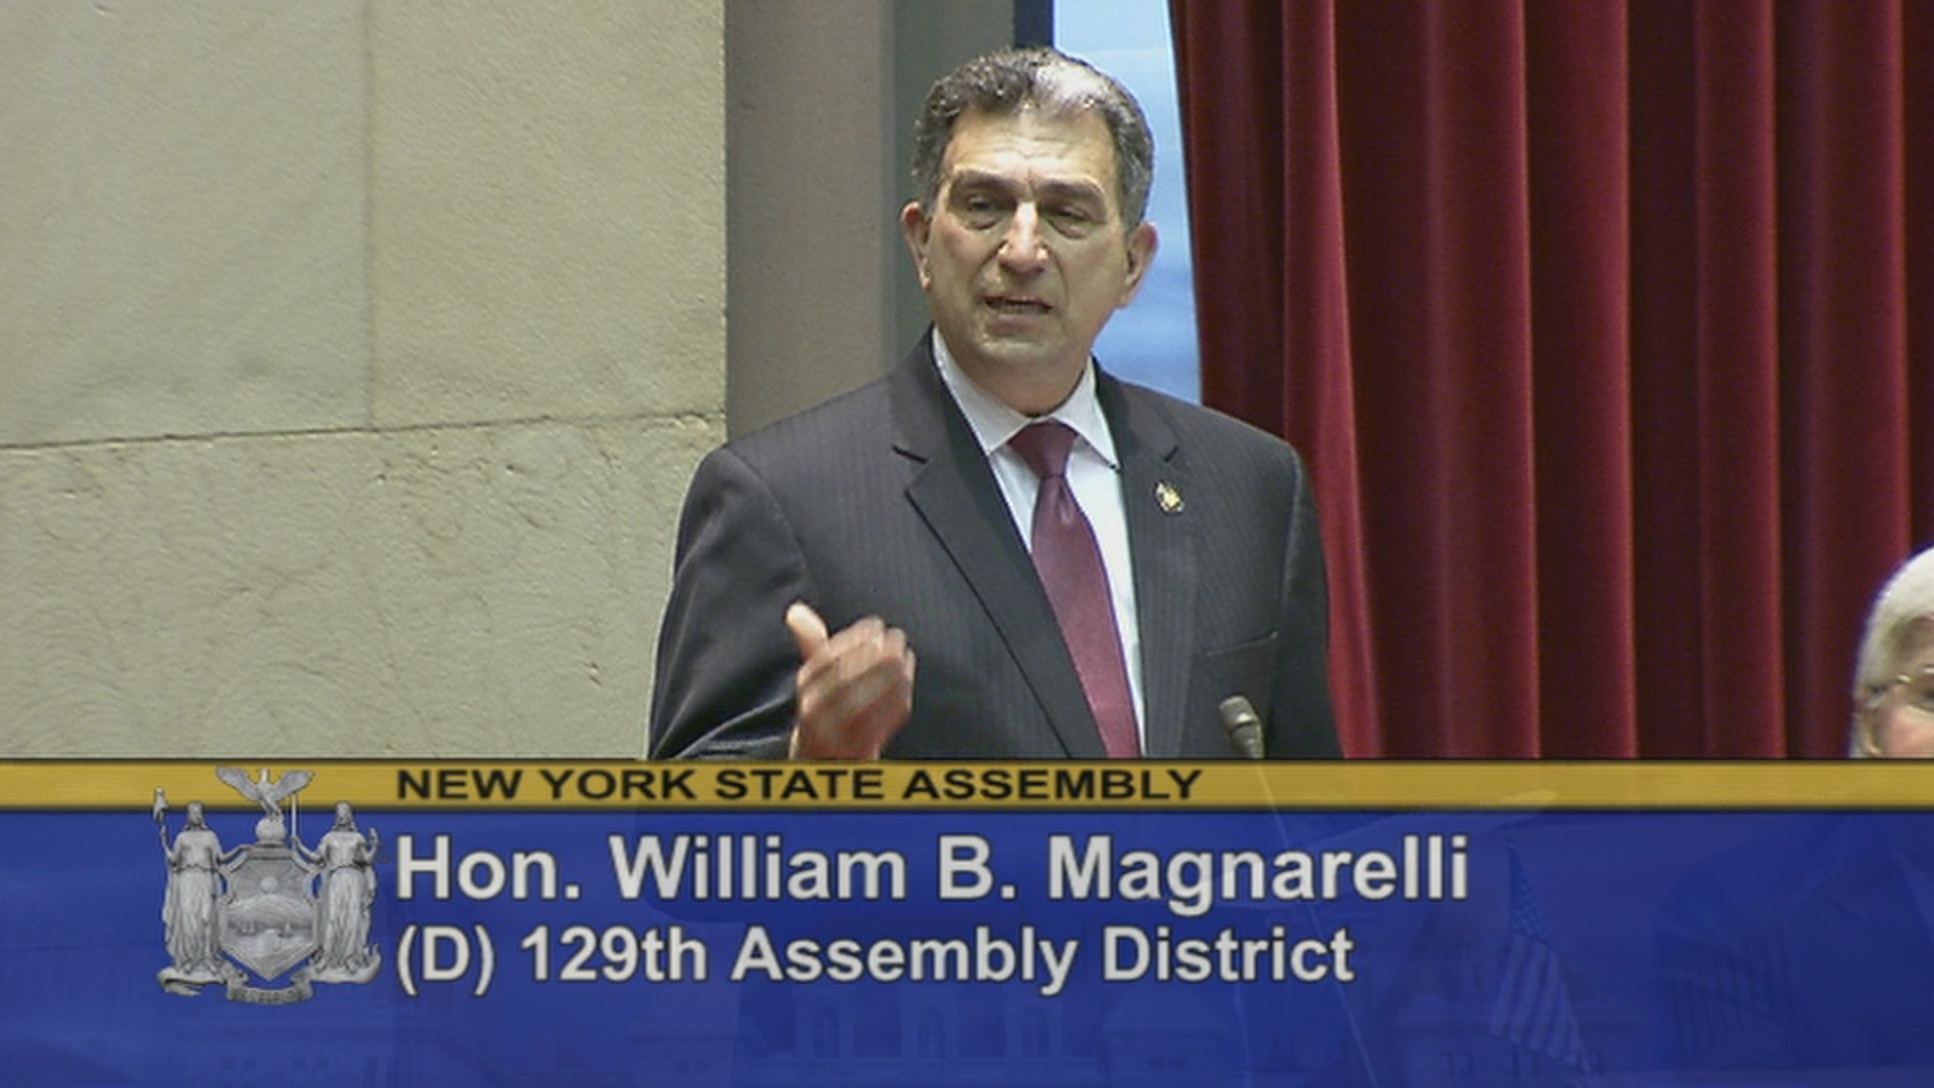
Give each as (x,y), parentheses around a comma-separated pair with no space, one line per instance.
(1365,784)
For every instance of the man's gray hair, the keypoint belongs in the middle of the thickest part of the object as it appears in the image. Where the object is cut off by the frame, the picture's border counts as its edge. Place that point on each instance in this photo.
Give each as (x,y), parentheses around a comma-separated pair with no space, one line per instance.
(1005,82)
(1905,602)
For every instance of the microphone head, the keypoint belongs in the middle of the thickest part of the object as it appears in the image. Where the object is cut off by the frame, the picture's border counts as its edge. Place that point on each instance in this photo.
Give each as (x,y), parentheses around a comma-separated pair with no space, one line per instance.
(1237,710)
(1242,726)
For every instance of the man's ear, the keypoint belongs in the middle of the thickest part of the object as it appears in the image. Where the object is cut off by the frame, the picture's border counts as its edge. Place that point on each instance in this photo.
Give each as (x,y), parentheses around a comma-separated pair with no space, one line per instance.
(914,226)
(1141,253)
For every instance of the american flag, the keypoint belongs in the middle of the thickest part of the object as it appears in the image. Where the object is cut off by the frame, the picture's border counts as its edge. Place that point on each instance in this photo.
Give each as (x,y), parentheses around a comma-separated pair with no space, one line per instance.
(1533,1004)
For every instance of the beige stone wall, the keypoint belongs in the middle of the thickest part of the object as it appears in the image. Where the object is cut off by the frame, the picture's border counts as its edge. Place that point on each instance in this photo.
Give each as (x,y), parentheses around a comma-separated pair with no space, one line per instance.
(354,357)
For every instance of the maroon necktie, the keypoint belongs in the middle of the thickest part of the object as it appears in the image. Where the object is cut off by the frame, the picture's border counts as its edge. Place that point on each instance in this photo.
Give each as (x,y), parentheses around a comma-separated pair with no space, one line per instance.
(1069,563)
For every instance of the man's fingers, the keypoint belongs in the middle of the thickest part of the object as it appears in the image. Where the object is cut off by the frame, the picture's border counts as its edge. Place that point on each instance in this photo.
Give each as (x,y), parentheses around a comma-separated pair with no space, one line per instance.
(852,669)
(854,689)
(849,685)
(857,722)
(808,630)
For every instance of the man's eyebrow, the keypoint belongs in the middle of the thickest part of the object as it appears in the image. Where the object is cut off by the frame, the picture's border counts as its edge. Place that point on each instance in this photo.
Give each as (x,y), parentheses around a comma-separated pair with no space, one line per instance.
(1064,188)
(980,179)
(1072,189)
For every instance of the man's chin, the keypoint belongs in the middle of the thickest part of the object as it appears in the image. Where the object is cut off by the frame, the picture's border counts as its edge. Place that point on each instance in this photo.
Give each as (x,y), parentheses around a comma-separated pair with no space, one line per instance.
(1011,357)
(1020,343)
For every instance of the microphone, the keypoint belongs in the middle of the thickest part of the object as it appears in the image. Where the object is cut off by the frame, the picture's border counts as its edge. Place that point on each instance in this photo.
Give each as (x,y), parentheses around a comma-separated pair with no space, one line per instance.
(1243,728)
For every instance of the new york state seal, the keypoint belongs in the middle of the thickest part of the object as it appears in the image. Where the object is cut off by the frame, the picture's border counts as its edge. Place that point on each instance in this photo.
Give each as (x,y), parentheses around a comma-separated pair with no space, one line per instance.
(267,919)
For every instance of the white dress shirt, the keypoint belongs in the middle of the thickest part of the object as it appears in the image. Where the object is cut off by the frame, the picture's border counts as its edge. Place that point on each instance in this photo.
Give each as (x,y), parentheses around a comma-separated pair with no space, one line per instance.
(1093,473)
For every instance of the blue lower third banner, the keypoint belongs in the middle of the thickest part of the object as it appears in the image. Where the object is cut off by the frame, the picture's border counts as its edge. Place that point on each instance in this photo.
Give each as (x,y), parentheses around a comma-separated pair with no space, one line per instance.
(233,926)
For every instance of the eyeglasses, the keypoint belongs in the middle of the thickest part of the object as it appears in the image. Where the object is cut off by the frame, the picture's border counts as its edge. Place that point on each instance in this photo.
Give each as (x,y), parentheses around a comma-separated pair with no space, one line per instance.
(1919,686)
(1918,695)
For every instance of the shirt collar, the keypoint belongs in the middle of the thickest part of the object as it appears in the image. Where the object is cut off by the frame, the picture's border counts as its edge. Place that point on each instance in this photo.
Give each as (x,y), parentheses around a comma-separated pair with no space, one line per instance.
(993,422)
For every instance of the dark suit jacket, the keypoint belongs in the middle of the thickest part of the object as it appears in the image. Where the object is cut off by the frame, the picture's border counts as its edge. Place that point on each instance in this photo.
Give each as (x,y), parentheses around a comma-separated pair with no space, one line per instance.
(880,502)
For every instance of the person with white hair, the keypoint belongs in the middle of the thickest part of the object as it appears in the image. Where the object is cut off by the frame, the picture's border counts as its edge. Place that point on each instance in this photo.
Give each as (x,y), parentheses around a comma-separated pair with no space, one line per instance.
(1894,679)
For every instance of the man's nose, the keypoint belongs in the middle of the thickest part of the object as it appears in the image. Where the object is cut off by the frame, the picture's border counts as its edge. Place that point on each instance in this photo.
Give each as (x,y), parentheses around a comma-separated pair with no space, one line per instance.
(1024,249)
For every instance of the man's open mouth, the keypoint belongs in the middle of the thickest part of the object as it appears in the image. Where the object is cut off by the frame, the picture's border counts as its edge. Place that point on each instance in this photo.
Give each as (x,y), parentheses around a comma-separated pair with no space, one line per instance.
(1010,305)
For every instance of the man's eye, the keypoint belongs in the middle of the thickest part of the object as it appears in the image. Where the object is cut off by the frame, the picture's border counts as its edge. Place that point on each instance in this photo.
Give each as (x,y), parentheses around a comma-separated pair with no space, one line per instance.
(978,207)
(1071,219)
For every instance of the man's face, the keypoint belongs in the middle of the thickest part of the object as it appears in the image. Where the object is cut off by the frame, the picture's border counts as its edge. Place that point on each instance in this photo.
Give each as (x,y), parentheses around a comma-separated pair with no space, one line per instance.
(1022,256)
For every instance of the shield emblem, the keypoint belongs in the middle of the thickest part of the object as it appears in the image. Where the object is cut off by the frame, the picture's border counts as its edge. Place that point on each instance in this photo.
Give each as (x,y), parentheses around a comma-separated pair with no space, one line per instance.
(268,922)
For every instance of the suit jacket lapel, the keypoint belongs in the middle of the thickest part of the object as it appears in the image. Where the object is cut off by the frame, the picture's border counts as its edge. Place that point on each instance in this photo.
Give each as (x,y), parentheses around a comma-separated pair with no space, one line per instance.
(954,491)
(1155,490)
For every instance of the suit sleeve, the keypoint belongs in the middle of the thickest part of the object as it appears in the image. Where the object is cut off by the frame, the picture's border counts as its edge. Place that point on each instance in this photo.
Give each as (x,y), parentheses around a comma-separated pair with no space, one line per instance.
(1301,721)
(724,683)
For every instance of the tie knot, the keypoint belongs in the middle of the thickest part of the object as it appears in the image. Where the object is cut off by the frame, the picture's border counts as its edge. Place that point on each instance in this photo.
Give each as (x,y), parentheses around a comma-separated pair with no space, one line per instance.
(1044,446)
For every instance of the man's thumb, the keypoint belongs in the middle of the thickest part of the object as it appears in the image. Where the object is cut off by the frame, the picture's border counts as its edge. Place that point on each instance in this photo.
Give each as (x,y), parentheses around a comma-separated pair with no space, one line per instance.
(808,630)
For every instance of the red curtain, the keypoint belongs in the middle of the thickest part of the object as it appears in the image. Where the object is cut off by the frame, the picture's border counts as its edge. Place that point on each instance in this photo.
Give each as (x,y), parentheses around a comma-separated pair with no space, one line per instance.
(1608,332)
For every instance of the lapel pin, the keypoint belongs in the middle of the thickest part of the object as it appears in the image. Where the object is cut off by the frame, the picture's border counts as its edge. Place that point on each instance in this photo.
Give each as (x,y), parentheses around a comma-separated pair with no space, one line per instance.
(1168,498)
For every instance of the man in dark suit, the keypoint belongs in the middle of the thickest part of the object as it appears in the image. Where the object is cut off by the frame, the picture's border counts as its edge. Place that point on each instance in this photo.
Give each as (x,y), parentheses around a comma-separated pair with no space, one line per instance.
(997,550)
